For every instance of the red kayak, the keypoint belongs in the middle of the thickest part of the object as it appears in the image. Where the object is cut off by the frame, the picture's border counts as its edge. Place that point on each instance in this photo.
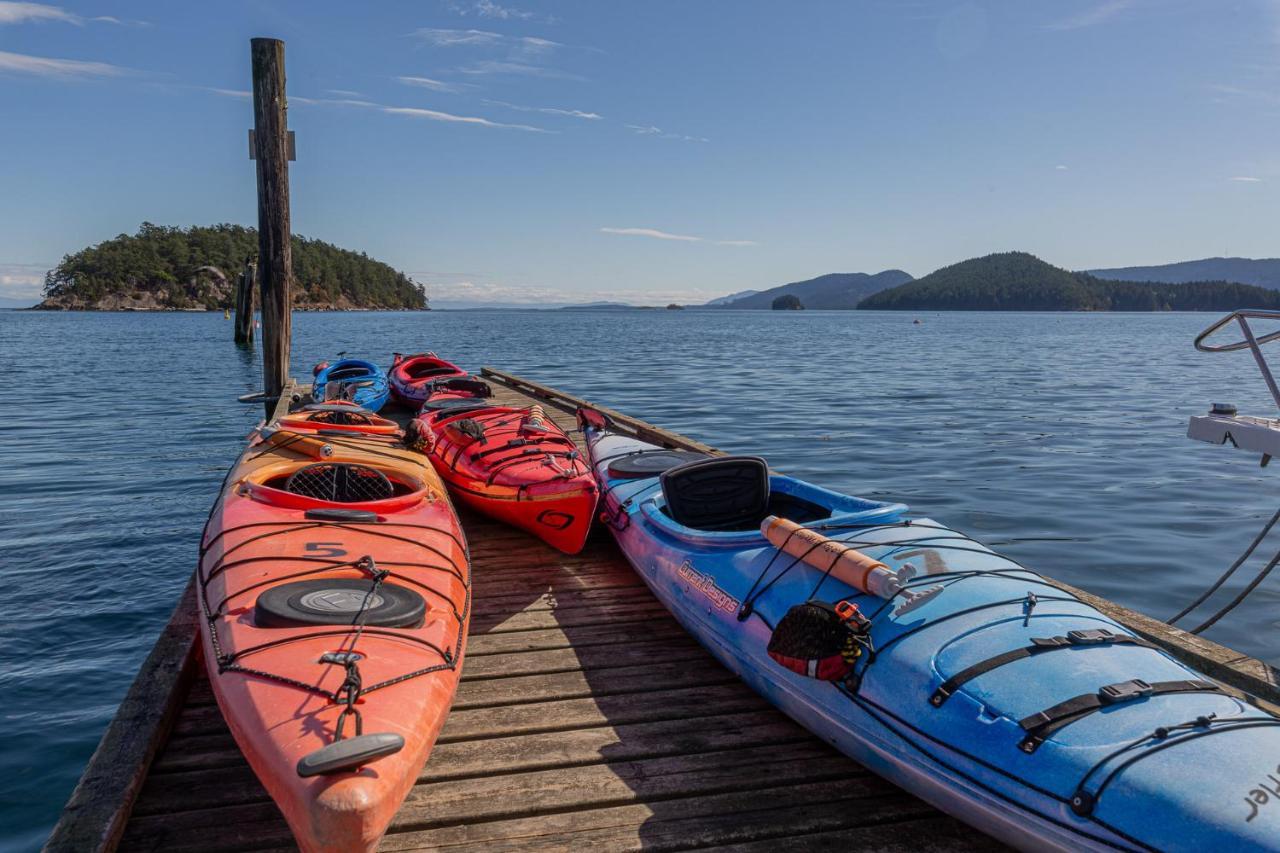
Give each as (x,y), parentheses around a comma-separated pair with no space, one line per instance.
(412,374)
(513,464)
(334,588)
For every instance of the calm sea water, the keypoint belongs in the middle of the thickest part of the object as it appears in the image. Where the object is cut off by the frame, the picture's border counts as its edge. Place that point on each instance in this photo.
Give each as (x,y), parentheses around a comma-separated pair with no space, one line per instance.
(1059,438)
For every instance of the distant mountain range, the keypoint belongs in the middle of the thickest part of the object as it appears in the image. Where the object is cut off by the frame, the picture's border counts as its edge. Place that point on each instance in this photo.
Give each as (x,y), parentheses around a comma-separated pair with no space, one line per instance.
(732,297)
(837,290)
(1017,281)
(1264,272)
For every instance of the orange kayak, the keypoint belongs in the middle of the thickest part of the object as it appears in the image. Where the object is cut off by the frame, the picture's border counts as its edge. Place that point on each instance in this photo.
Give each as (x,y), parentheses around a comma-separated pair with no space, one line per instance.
(515,465)
(335,585)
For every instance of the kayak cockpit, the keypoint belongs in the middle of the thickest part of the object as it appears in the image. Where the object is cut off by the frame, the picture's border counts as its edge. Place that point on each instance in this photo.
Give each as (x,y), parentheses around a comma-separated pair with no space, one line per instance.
(724,500)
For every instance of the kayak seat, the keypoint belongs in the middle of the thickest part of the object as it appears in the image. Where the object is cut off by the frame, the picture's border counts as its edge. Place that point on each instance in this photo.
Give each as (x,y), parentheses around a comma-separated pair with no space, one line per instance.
(721,493)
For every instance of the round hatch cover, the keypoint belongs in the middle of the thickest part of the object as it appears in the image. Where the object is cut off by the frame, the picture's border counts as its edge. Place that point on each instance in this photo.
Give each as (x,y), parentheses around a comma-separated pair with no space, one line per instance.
(338,601)
(651,463)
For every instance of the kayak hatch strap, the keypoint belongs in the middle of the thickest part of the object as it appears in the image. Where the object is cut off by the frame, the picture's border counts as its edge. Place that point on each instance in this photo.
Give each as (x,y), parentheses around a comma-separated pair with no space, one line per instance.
(1039,645)
(1083,802)
(523,442)
(1041,725)
(854,681)
(528,455)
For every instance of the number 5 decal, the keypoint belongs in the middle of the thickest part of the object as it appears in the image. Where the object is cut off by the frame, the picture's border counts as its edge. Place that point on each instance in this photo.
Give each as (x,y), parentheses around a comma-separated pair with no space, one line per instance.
(326,549)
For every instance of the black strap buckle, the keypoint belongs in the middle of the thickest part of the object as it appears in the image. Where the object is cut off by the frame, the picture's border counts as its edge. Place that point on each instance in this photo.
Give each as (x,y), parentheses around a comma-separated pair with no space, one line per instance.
(1124,691)
(1090,637)
(1050,642)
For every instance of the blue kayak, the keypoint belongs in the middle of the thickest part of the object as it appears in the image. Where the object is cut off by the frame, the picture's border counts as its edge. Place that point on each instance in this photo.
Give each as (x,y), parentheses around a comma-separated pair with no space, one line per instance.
(998,697)
(352,379)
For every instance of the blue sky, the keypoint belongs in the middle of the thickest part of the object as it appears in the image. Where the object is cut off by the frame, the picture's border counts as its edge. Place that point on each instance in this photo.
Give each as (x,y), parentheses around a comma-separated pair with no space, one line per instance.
(655,151)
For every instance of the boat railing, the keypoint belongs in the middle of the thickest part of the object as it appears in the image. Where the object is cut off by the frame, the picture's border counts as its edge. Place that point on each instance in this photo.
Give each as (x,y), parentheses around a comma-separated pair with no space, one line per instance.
(1250,341)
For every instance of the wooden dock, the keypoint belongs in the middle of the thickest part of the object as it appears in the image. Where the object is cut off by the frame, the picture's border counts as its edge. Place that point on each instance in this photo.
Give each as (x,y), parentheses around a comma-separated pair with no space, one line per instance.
(586,717)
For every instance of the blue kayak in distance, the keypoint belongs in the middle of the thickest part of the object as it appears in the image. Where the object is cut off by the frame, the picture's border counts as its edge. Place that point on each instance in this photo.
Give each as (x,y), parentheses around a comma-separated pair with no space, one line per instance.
(999,697)
(352,379)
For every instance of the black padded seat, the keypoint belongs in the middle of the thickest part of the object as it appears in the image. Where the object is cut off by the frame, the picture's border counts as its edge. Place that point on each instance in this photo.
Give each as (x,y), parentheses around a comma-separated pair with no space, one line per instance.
(651,463)
(720,493)
(465,384)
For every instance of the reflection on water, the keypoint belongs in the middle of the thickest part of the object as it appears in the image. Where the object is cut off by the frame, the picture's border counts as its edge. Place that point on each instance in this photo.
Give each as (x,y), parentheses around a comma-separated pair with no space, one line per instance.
(1059,439)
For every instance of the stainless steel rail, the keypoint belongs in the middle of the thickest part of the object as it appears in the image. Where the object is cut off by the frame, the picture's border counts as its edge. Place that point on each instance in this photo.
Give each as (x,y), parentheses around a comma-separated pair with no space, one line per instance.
(1250,342)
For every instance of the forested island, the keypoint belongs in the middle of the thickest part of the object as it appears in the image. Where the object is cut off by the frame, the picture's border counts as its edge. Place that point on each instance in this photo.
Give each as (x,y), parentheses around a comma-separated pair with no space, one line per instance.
(1017,281)
(192,269)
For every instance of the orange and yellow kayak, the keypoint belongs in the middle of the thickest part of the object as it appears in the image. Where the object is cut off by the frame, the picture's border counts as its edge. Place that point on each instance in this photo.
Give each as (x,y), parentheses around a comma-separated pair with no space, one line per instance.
(334,583)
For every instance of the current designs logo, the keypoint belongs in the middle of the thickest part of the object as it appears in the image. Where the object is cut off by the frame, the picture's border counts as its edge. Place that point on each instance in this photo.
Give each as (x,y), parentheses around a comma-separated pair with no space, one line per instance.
(707,586)
(1262,795)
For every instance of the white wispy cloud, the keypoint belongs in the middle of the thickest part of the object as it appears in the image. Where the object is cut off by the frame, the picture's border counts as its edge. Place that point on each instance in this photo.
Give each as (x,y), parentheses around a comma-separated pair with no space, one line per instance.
(496,66)
(439,37)
(344,93)
(333,102)
(523,55)
(667,235)
(1096,14)
(1245,179)
(552,111)
(433,85)
(1060,168)
(473,290)
(436,115)
(22,13)
(412,112)
(22,281)
(651,232)
(490,9)
(659,133)
(63,69)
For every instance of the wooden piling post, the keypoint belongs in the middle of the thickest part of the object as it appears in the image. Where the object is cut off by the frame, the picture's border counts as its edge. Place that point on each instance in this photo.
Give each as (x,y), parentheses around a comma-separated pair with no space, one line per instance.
(244,302)
(275,253)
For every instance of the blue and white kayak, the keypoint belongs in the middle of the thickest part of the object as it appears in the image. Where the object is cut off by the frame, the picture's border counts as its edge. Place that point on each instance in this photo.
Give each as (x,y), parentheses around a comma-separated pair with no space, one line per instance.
(1002,699)
(352,379)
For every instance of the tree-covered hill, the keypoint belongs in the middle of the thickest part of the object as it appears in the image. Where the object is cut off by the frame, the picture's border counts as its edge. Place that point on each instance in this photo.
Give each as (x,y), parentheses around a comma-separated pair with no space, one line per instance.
(1017,281)
(162,268)
(1264,272)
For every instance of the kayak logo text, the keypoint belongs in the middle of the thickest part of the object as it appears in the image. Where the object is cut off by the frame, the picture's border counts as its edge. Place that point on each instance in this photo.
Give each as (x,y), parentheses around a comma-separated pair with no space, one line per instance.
(707,586)
(1261,795)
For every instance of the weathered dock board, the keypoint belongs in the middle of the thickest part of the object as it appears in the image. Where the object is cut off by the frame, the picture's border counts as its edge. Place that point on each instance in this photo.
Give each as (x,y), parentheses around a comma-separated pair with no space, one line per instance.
(585,718)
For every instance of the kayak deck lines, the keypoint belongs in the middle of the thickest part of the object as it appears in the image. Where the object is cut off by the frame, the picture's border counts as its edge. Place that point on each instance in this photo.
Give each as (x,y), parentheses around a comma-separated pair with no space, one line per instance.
(585,716)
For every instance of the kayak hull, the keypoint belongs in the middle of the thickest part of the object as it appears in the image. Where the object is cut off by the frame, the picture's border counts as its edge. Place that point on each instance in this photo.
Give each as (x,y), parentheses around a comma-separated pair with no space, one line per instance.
(964,755)
(279,699)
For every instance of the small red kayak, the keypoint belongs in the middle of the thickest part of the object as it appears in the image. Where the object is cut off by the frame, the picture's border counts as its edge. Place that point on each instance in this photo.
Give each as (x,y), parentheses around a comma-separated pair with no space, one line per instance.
(412,374)
(512,464)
